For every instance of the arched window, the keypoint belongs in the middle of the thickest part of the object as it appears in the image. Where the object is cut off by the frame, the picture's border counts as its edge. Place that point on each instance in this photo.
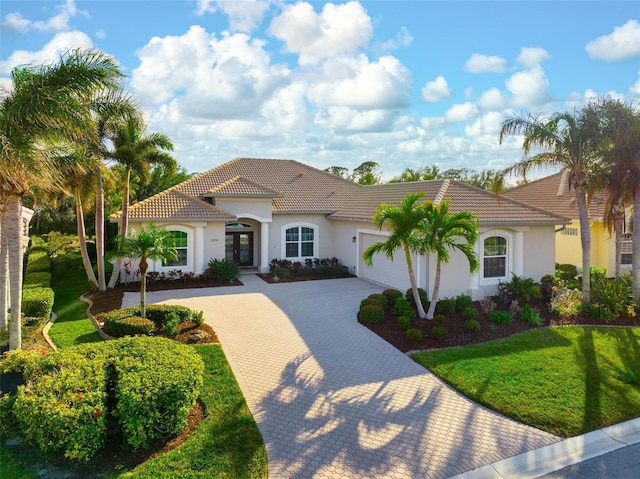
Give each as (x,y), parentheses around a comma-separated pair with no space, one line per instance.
(180,241)
(300,241)
(495,257)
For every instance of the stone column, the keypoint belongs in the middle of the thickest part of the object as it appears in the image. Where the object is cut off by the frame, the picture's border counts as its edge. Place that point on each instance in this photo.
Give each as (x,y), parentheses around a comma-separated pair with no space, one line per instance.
(264,247)
(198,267)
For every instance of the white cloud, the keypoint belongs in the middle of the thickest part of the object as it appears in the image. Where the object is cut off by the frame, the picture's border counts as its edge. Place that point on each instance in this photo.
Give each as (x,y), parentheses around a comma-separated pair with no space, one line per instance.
(244,16)
(360,84)
(635,89)
(436,90)
(56,23)
(487,125)
(492,100)
(529,88)
(479,63)
(530,57)
(461,113)
(622,44)
(345,119)
(402,39)
(59,44)
(339,29)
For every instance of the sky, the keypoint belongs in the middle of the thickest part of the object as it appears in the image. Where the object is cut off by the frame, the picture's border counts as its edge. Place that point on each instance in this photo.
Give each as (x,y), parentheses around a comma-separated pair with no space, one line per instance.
(403,83)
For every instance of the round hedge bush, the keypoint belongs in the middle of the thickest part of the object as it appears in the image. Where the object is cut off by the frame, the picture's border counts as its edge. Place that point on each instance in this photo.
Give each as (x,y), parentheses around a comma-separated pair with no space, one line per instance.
(371,314)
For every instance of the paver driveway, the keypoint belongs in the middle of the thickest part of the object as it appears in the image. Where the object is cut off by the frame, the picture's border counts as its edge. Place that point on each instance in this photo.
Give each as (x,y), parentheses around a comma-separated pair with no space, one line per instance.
(332,399)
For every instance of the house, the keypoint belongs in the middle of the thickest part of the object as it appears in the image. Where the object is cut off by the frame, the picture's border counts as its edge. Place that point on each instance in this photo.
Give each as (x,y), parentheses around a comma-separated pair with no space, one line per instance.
(553,194)
(255,210)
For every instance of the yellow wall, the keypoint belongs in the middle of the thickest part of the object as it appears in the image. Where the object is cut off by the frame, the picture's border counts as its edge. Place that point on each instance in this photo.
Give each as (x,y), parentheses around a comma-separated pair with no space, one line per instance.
(569,248)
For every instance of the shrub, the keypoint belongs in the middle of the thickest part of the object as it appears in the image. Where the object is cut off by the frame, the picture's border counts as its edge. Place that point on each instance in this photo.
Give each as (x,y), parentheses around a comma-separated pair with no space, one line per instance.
(439,320)
(547,282)
(130,326)
(8,421)
(597,274)
(158,313)
(339,270)
(500,317)
(323,270)
(392,295)
(439,332)
(487,305)
(223,270)
(463,301)
(37,302)
(380,298)
(523,289)
(566,271)
(282,273)
(424,298)
(446,306)
(472,325)
(304,271)
(37,280)
(402,306)
(403,322)
(566,302)
(170,326)
(371,314)
(370,302)
(514,308)
(414,335)
(613,296)
(197,317)
(503,296)
(127,321)
(530,315)
(470,313)
(38,261)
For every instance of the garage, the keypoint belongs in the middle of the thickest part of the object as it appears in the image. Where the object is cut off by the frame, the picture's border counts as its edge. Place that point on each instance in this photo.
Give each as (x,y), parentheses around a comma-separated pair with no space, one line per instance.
(384,271)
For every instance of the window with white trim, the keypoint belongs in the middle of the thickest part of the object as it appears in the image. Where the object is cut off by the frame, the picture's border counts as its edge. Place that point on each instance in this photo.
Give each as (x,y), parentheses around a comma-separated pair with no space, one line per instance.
(180,242)
(495,250)
(299,242)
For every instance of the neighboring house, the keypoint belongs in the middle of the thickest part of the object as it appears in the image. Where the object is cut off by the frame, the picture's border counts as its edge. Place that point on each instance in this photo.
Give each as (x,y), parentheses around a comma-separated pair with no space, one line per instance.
(27,214)
(255,210)
(553,194)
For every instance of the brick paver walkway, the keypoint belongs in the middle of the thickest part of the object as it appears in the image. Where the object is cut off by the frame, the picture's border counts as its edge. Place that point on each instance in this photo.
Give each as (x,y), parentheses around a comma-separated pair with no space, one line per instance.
(333,400)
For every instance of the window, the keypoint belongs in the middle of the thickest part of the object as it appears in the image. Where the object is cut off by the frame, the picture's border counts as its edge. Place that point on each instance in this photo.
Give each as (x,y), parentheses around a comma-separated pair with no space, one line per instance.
(180,243)
(299,242)
(568,231)
(627,253)
(495,257)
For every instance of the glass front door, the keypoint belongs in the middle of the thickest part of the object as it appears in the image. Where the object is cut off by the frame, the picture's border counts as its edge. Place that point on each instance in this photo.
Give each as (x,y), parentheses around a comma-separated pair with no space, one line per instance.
(239,248)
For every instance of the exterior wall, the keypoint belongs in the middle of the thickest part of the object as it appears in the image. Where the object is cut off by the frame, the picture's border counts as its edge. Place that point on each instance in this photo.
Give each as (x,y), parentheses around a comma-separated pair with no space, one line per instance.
(568,247)
(258,208)
(324,247)
(539,252)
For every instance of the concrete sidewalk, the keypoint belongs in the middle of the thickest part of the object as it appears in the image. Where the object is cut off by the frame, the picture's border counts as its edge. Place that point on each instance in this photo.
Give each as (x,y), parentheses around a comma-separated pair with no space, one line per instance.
(332,399)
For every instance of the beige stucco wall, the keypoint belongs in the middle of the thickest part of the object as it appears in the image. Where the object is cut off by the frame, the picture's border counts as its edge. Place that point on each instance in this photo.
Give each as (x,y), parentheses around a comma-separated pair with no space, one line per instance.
(324,244)
(257,208)
(539,252)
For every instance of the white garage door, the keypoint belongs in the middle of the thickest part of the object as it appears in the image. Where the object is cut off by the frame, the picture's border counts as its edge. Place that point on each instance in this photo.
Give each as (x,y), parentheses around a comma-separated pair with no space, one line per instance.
(393,274)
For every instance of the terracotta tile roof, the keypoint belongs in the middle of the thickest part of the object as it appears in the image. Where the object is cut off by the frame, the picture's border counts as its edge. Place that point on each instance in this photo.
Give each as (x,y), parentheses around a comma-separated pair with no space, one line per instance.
(553,194)
(302,188)
(462,197)
(242,187)
(172,204)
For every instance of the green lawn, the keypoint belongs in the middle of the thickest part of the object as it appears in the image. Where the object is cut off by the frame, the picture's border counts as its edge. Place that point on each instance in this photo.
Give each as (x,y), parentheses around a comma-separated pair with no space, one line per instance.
(566,381)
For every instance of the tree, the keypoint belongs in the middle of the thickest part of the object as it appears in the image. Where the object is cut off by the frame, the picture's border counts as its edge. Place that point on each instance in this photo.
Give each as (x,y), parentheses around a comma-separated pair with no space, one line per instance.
(368,173)
(150,243)
(46,104)
(429,172)
(441,233)
(404,223)
(568,141)
(136,151)
(340,171)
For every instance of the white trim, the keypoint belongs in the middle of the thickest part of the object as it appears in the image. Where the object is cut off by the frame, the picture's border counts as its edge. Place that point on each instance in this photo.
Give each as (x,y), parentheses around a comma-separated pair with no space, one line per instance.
(250,216)
(189,267)
(509,256)
(299,224)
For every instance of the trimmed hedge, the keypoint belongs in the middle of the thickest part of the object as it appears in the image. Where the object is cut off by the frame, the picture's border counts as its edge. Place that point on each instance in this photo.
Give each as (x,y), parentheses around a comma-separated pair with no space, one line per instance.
(63,407)
(127,321)
(37,302)
(37,280)
(371,314)
(38,261)
(392,295)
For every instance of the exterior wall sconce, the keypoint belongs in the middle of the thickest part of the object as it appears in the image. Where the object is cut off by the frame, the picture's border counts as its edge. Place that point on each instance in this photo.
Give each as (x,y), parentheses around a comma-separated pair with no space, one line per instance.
(353,240)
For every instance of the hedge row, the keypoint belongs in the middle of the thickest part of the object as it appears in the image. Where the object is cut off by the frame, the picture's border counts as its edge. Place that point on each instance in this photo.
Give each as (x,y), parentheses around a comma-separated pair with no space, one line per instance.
(37,302)
(37,280)
(38,260)
(63,407)
(127,321)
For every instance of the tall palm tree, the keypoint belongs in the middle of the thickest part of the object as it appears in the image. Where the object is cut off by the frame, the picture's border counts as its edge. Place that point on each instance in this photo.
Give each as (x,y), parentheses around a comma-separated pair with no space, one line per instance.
(568,141)
(4,272)
(403,222)
(137,151)
(46,102)
(150,243)
(442,232)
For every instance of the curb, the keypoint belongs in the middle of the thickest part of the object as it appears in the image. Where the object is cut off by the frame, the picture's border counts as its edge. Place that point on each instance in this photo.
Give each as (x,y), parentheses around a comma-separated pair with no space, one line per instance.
(562,454)
(96,325)
(46,328)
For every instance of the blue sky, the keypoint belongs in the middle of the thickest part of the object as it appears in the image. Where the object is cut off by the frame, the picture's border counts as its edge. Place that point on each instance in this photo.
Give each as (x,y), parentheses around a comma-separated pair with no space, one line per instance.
(402,83)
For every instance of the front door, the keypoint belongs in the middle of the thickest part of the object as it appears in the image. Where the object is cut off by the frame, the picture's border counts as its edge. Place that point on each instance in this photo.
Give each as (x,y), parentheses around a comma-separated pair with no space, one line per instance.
(239,248)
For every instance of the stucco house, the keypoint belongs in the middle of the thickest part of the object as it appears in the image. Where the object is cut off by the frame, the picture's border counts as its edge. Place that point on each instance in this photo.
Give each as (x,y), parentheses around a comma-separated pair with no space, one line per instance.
(255,210)
(553,194)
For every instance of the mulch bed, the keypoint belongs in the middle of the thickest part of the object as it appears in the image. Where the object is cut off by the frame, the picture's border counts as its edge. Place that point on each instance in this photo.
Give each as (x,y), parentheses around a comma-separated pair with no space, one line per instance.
(459,336)
(268,278)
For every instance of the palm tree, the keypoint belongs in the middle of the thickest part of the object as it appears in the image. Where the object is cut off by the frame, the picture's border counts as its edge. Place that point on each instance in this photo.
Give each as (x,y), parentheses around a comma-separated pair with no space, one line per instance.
(441,232)
(568,141)
(4,272)
(137,151)
(403,222)
(151,243)
(45,103)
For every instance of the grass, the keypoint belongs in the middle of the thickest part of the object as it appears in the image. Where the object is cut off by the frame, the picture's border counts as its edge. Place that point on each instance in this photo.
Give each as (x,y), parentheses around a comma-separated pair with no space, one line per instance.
(69,282)
(567,381)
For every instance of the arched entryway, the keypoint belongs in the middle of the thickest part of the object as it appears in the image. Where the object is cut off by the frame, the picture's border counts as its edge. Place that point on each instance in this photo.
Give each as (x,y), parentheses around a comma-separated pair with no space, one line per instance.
(238,243)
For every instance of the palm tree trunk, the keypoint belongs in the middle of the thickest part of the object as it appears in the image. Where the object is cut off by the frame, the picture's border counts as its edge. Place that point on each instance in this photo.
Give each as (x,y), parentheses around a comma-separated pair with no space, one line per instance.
(414,287)
(124,225)
(635,245)
(436,289)
(618,227)
(13,230)
(82,238)
(102,279)
(585,239)
(143,287)
(4,270)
